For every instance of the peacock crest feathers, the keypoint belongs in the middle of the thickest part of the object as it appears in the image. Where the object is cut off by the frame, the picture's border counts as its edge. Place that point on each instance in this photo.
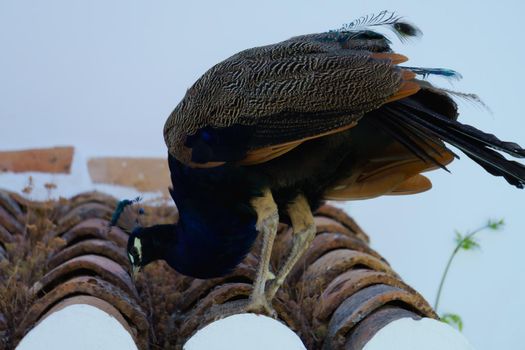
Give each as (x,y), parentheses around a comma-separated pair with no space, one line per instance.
(127,214)
(364,26)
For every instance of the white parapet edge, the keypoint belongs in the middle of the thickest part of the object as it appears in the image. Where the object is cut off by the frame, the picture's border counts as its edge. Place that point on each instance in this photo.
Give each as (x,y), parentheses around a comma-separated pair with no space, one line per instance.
(245,331)
(79,327)
(410,334)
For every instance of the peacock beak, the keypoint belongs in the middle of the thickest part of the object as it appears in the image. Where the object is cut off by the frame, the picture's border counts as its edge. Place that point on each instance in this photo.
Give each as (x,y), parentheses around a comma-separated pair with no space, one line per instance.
(134,272)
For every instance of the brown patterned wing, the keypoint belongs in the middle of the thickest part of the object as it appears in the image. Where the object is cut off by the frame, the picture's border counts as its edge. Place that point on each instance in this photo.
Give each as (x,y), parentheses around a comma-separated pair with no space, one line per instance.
(263,102)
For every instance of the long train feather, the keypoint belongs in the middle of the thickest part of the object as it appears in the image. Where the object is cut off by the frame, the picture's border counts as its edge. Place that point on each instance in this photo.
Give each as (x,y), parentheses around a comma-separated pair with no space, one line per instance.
(476,144)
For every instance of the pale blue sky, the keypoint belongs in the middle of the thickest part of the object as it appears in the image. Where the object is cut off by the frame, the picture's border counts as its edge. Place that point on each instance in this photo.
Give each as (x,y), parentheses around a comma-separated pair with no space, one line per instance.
(104,75)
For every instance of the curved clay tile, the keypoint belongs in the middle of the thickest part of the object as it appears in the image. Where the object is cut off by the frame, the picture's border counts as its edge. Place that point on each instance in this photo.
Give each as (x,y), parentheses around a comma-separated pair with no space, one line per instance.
(349,283)
(94,227)
(96,287)
(326,242)
(5,236)
(82,212)
(199,288)
(3,329)
(368,327)
(9,222)
(325,269)
(339,295)
(340,216)
(325,224)
(90,265)
(3,253)
(103,247)
(358,306)
(11,205)
(211,306)
(93,301)
(93,197)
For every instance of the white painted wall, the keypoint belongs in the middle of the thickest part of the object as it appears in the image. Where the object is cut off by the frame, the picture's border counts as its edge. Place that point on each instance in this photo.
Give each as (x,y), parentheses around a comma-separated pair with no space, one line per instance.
(79,327)
(409,334)
(104,75)
(245,331)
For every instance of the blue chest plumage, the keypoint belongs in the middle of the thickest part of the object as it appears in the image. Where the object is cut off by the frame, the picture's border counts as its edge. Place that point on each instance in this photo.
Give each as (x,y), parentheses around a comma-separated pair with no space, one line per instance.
(216,226)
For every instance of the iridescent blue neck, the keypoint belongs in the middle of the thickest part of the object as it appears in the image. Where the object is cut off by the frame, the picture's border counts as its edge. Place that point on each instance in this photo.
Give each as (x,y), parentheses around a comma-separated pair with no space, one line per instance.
(216,227)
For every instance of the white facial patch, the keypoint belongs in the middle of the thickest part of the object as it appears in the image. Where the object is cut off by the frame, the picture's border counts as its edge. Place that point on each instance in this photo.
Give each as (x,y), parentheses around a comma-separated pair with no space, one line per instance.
(135,254)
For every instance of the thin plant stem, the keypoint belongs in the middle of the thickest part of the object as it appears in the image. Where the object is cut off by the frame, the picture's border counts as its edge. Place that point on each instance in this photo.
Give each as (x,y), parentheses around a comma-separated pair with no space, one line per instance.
(451,258)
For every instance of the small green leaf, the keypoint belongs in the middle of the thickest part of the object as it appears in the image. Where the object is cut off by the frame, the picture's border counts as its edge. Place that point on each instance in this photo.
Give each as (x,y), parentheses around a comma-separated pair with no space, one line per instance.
(469,243)
(496,224)
(454,320)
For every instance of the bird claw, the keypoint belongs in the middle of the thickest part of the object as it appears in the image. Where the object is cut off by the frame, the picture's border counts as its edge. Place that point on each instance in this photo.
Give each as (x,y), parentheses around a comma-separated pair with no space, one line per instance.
(258,306)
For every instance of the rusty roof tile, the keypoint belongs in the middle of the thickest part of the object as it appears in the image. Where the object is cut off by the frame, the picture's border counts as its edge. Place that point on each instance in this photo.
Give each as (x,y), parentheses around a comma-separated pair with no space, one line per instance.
(3,331)
(326,242)
(341,291)
(325,269)
(369,326)
(93,301)
(11,205)
(101,247)
(348,283)
(3,253)
(93,197)
(90,265)
(9,222)
(210,307)
(94,286)
(5,236)
(199,288)
(95,228)
(83,212)
(340,216)
(3,322)
(358,306)
(325,224)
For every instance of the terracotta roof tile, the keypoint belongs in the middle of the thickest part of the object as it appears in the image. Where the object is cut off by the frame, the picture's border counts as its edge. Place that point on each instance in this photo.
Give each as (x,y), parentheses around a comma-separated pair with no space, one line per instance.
(370,325)
(8,203)
(82,212)
(9,222)
(362,303)
(325,269)
(348,283)
(3,253)
(93,301)
(5,236)
(339,295)
(95,228)
(340,216)
(86,265)
(102,247)
(96,287)
(93,197)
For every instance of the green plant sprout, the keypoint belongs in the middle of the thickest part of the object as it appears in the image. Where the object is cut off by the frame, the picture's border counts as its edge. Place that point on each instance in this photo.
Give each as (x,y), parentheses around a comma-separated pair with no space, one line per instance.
(463,242)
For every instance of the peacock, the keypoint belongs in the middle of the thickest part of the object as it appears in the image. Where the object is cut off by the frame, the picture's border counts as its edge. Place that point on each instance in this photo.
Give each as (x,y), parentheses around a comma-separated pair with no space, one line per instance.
(270,133)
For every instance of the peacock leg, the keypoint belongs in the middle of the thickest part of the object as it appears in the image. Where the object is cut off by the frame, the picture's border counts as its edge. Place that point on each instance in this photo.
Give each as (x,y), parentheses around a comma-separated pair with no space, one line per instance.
(304,231)
(267,222)
(267,226)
